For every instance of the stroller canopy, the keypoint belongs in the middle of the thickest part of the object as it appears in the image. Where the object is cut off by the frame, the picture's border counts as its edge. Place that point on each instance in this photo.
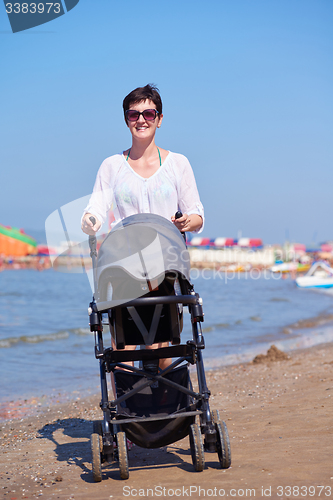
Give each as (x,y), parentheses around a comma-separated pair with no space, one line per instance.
(145,247)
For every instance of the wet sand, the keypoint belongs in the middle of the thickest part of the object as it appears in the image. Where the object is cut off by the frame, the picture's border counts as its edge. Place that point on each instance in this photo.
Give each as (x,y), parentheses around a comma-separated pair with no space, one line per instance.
(279,416)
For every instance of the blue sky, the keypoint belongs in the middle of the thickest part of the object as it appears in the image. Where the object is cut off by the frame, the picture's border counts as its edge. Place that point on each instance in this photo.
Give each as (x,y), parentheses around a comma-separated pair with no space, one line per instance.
(247,95)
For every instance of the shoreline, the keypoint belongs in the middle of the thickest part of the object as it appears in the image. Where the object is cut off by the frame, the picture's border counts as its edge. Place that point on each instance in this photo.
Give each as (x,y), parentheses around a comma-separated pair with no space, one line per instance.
(303,334)
(323,319)
(29,407)
(278,416)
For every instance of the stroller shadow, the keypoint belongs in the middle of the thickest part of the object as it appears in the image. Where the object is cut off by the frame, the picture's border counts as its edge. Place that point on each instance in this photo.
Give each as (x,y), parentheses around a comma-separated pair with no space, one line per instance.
(213,463)
(71,439)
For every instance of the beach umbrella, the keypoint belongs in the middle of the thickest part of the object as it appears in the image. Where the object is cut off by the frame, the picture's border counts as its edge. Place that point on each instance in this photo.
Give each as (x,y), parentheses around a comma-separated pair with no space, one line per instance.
(326,247)
(224,242)
(299,248)
(250,242)
(197,241)
(45,250)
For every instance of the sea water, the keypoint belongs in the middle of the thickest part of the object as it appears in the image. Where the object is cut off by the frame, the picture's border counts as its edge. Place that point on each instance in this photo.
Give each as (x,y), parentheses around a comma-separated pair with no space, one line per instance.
(46,347)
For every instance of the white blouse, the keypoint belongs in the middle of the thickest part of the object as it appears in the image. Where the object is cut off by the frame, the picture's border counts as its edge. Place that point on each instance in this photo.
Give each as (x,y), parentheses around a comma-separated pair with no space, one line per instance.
(120,189)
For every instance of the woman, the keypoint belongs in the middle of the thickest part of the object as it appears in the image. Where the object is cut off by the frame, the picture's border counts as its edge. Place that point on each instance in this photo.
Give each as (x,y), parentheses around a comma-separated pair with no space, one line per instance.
(145,178)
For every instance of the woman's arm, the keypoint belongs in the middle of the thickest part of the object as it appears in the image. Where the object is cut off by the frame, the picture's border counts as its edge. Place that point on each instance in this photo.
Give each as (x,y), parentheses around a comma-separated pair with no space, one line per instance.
(101,198)
(88,227)
(191,222)
(188,198)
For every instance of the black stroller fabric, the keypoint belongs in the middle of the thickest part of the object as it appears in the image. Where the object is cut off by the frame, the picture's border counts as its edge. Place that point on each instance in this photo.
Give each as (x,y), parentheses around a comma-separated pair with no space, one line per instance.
(157,400)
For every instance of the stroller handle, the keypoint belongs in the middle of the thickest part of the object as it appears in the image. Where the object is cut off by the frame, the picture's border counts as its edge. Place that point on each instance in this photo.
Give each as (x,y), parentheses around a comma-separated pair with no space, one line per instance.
(145,301)
(93,252)
(178,215)
(92,238)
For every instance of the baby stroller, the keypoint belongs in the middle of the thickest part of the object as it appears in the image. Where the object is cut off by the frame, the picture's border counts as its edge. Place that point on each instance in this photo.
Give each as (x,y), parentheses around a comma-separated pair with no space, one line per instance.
(142,283)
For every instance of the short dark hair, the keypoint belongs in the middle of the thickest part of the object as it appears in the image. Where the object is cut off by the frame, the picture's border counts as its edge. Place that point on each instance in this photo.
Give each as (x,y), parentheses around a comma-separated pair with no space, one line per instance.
(149,91)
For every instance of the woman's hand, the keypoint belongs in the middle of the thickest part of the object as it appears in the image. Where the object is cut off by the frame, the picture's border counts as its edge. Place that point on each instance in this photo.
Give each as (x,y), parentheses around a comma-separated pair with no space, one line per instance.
(187,222)
(88,227)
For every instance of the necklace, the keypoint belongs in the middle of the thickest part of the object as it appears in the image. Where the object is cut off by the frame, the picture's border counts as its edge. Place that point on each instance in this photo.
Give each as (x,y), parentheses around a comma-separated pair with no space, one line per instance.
(159,155)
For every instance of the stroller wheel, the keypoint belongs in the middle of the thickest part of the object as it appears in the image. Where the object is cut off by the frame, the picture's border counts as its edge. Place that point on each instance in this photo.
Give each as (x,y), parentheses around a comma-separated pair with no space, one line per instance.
(216,416)
(223,444)
(122,455)
(197,450)
(96,457)
(97,429)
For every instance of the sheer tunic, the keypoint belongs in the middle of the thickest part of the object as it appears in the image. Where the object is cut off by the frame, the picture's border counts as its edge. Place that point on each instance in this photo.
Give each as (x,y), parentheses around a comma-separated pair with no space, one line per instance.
(120,189)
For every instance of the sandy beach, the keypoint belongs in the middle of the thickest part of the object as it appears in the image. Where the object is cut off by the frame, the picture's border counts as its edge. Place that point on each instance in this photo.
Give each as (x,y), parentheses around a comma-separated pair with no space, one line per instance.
(279,416)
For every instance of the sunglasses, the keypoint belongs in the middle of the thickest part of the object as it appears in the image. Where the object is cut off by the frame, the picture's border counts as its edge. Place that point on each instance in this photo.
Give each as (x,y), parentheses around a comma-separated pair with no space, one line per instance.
(148,114)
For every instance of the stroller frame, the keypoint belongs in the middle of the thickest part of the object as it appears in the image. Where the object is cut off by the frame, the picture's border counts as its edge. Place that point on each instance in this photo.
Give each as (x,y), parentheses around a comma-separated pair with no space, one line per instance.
(108,440)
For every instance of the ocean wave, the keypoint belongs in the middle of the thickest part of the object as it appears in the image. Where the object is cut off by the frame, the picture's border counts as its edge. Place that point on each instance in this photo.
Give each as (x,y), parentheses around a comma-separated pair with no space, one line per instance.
(36,339)
(279,299)
(11,294)
(320,320)
(215,326)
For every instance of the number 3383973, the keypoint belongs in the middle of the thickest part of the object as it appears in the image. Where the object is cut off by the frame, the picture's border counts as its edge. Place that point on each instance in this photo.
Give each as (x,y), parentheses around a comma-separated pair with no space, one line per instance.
(32,8)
